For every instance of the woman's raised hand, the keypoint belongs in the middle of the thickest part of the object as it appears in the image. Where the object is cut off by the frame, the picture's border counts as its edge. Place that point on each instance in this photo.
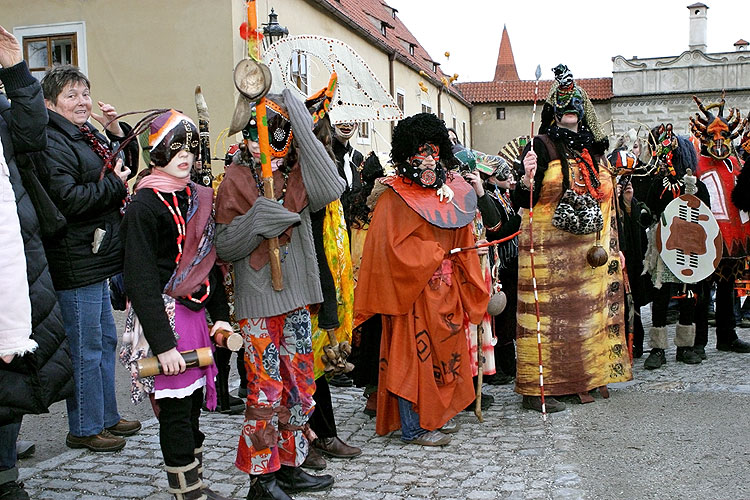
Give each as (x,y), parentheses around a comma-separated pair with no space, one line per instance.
(10,49)
(109,113)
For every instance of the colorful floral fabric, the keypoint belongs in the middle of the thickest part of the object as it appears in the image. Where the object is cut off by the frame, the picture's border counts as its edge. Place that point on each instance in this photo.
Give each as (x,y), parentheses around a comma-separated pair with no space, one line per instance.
(336,244)
(280,385)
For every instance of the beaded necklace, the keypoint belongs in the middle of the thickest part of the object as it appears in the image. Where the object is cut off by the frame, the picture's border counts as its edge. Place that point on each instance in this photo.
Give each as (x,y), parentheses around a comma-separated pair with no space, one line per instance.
(179,221)
(586,173)
(100,148)
(260,184)
(504,202)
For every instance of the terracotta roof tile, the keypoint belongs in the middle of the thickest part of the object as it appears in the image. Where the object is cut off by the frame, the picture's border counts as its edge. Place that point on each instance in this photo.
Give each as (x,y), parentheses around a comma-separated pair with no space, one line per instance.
(598,89)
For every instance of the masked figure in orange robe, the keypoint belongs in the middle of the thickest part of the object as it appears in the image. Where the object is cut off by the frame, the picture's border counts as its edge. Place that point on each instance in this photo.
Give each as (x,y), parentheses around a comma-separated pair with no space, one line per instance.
(425,295)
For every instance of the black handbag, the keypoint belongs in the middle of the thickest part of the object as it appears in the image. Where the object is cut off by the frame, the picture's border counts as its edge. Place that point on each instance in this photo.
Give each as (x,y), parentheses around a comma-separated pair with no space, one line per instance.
(578,213)
(52,223)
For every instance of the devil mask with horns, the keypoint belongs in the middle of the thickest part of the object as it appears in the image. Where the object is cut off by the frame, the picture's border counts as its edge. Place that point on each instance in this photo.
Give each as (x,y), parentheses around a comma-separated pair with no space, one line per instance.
(719,169)
(715,132)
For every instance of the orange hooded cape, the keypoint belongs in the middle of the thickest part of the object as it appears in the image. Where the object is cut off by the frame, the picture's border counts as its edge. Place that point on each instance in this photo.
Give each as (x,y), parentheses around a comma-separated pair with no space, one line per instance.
(425,298)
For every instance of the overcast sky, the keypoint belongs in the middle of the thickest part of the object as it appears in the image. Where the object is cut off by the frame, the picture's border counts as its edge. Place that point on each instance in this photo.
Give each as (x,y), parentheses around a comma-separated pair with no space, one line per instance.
(584,34)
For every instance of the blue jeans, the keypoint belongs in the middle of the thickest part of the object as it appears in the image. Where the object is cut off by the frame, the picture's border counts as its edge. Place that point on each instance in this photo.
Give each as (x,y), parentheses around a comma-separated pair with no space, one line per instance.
(8,437)
(92,335)
(410,428)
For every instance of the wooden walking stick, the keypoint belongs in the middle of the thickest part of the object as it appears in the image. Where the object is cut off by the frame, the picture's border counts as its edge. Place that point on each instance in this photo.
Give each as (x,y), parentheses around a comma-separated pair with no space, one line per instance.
(254,48)
(531,254)
(483,245)
(480,371)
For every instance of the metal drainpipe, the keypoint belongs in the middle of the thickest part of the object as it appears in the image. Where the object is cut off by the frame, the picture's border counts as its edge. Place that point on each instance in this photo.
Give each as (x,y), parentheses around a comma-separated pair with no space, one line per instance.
(471,131)
(440,92)
(391,81)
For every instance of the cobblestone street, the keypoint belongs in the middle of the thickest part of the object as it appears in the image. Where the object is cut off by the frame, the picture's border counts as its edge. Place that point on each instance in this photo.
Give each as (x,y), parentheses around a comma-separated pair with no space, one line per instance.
(608,449)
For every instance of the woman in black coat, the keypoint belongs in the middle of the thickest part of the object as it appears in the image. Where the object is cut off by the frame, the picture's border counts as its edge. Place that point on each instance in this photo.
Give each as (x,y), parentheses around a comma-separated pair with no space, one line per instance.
(35,367)
(88,186)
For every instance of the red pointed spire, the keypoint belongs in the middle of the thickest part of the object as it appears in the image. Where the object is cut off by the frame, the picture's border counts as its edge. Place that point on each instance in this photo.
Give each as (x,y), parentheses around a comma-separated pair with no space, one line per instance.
(506,64)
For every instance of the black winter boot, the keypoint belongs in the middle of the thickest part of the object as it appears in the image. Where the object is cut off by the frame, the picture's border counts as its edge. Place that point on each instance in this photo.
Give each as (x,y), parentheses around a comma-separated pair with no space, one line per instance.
(13,490)
(265,487)
(294,479)
(655,360)
(688,356)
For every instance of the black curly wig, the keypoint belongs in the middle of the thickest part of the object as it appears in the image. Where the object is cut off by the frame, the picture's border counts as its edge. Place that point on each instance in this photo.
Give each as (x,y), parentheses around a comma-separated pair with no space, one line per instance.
(413,131)
(684,157)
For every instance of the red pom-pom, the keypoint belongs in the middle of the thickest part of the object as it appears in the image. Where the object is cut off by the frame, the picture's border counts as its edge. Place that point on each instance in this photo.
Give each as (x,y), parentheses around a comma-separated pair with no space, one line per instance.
(244,31)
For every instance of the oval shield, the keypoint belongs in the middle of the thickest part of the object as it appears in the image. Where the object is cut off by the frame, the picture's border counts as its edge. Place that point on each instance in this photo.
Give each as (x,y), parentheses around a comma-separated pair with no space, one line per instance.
(688,239)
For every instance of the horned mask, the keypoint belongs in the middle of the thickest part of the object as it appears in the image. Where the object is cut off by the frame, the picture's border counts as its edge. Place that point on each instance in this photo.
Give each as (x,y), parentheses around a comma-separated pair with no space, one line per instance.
(714,131)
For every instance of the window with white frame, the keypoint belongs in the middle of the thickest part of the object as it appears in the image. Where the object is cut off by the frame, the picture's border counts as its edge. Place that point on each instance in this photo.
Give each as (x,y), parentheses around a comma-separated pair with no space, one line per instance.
(363,133)
(298,70)
(44,52)
(400,99)
(48,45)
(426,108)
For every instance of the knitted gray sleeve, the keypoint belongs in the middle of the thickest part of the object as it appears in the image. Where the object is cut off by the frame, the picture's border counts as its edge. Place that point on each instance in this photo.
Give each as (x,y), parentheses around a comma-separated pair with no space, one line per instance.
(319,173)
(266,219)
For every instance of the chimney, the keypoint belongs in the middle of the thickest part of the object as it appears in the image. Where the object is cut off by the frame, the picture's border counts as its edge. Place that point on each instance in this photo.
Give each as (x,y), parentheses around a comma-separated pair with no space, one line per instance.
(740,45)
(698,26)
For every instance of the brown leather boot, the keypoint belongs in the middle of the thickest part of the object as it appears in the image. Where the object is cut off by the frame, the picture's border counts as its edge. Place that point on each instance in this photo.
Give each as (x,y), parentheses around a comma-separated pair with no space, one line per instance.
(314,460)
(585,397)
(335,447)
(102,442)
(551,404)
(125,427)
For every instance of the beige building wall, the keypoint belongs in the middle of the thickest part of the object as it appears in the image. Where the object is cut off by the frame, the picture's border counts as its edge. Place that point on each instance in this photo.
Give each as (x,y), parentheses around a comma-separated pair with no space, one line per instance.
(143,54)
(490,134)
